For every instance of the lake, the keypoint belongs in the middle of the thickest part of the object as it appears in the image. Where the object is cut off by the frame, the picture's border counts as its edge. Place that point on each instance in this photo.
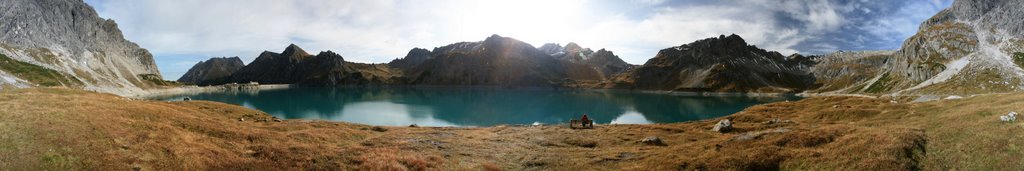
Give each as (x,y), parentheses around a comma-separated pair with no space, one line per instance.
(477,106)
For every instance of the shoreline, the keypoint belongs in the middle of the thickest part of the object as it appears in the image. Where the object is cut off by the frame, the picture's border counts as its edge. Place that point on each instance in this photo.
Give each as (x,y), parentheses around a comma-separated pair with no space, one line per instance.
(189,90)
(184,90)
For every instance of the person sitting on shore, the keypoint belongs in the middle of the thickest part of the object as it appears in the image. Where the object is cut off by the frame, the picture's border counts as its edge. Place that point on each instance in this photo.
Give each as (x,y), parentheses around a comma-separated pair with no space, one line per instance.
(586,122)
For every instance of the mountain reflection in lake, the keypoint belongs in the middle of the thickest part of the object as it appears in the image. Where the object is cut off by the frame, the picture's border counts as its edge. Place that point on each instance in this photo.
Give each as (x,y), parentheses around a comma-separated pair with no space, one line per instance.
(462,106)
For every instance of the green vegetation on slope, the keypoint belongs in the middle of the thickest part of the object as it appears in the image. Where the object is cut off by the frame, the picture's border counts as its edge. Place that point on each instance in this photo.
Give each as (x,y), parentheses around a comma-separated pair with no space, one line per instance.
(1018,58)
(155,80)
(37,74)
(883,84)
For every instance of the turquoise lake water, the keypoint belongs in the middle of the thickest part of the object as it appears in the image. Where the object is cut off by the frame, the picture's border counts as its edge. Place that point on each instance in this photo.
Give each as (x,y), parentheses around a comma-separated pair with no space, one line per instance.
(462,106)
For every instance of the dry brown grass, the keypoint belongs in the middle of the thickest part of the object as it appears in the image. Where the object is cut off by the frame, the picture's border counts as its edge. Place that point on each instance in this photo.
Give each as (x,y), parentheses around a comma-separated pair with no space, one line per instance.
(73,129)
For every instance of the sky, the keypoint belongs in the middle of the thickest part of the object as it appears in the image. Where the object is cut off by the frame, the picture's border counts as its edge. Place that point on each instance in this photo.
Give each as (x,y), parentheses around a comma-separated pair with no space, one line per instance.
(180,33)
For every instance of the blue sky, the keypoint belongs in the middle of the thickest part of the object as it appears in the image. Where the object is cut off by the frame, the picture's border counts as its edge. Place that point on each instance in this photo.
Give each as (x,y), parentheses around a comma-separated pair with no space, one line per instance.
(181,33)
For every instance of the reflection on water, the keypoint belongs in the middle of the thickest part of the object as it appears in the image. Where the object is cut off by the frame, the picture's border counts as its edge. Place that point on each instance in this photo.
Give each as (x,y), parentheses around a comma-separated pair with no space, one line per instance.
(461,106)
(631,117)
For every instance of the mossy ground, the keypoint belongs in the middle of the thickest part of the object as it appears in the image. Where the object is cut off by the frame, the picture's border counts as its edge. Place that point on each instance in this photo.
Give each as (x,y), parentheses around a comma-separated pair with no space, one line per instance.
(1018,58)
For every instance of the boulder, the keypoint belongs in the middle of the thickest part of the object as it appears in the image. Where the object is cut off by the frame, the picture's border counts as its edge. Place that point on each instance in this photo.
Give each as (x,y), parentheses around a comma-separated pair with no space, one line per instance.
(652,140)
(379,129)
(1009,117)
(723,126)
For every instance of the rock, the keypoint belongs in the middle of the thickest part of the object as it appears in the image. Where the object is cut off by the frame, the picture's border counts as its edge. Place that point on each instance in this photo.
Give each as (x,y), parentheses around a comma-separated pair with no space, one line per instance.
(186,99)
(953,97)
(773,121)
(277,120)
(1009,117)
(723,126)
(241,119)
(414,125)
(652,140)
(379,129)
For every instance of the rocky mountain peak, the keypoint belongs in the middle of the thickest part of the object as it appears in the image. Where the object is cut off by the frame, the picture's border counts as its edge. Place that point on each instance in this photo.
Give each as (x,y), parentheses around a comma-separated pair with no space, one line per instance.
(495,38)
(954,47)
(329,54)
(723,63)
(418,52)
(294,51)
(572,47)
(415,57)
(722,42)
(211,71)
(71,38)
(551,48)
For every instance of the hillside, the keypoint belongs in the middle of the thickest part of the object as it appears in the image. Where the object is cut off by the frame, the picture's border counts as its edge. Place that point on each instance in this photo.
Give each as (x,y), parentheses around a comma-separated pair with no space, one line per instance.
(92,131)
(212,70)
(848,72)
(722,64)
(965,49)
(68,37)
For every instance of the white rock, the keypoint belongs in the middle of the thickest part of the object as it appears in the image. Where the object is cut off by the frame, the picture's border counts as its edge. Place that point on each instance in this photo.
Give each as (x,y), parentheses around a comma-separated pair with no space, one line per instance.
(1009,117)
(954,97)
(725,125)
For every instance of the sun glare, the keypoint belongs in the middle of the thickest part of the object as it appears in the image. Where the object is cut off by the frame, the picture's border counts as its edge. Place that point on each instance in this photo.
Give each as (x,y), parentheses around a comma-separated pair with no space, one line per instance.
(533,21)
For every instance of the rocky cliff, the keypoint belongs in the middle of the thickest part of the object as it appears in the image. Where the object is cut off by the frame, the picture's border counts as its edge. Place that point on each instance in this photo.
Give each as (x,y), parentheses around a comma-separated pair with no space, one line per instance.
(965,49)
(212,70)
(295,66)
(720,64)
(414,58)
(70,38)
(584,64)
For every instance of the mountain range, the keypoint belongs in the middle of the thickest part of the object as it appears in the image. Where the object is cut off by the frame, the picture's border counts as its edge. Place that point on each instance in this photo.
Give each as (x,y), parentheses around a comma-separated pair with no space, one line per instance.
(495,61)
(972,47)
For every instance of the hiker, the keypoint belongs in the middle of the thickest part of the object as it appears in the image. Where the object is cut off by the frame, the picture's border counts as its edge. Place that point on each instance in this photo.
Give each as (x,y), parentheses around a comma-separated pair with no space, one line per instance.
(586,121)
